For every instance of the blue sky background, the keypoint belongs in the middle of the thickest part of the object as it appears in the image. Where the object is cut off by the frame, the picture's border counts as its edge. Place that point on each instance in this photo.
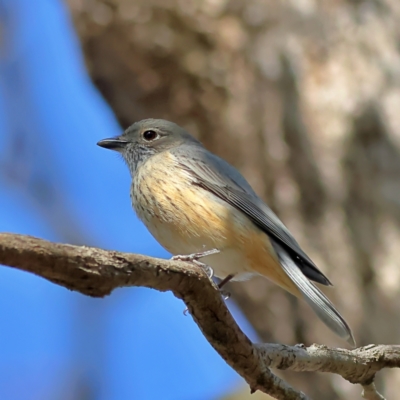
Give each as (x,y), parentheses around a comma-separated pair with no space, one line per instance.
(55,183)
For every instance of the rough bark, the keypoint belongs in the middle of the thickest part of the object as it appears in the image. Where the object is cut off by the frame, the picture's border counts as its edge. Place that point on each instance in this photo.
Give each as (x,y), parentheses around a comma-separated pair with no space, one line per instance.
(95,272)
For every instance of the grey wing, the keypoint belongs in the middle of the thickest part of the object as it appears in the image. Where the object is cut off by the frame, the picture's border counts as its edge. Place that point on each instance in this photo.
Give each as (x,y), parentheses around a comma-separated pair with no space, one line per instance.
(217,176)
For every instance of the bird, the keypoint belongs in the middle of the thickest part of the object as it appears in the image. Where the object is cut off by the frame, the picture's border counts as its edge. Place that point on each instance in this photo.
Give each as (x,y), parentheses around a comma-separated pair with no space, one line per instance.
(195,203)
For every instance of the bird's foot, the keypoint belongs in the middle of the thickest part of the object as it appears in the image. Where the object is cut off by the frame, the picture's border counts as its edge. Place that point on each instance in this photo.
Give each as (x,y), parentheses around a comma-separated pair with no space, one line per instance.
(225,281)
(226,295)
(209,271)
(194,258)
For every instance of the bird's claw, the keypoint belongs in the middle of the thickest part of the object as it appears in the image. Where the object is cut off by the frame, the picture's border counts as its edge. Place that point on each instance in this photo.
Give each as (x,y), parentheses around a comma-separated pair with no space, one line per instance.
(208,270)
(225,281)
(194,258)
(225,295)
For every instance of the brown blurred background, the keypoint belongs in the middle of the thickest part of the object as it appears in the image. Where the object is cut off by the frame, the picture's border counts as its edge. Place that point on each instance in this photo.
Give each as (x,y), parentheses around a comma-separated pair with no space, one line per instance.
(303,97)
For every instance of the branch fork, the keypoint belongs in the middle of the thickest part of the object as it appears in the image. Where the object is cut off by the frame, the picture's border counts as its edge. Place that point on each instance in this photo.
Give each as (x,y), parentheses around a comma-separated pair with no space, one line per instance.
(96,272)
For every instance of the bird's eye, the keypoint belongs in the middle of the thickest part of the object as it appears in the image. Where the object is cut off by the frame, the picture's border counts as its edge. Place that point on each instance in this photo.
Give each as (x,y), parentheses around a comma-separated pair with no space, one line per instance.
(150,135)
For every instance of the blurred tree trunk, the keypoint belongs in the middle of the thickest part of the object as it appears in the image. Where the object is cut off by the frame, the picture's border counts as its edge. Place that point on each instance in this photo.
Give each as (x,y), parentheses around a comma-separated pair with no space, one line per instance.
(303,97)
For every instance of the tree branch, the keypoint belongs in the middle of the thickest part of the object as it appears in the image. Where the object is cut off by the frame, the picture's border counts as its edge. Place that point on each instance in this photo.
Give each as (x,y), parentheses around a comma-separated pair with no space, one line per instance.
(97,273)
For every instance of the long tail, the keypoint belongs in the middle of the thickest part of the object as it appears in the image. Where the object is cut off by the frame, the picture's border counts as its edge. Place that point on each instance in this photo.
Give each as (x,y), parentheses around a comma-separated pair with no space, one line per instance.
(314,297)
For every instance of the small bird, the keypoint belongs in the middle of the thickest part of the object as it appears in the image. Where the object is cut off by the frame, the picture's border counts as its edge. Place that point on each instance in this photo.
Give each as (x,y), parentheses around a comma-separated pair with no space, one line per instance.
(194,202)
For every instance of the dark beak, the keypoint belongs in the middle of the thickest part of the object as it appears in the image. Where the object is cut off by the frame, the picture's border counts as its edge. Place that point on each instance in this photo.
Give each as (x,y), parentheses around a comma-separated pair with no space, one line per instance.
(113,144)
